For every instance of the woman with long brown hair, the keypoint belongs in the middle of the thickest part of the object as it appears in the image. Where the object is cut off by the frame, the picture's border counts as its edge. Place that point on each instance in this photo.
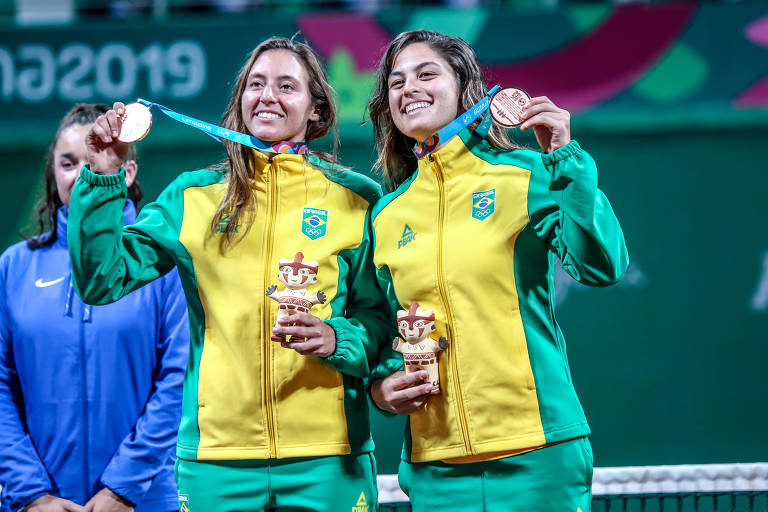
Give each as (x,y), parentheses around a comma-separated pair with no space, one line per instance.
(265,424)
(486,222)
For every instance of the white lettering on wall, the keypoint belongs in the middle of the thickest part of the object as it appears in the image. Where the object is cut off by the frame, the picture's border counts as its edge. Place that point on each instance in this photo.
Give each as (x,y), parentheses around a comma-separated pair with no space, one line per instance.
(35,73)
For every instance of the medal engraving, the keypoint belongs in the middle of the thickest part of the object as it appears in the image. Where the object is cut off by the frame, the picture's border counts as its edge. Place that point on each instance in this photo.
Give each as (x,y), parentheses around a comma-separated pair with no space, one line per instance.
(507,106)
(137,121)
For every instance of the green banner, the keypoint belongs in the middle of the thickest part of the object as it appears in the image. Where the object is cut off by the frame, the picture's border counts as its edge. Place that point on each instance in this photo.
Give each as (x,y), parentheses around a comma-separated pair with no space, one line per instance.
(647,66)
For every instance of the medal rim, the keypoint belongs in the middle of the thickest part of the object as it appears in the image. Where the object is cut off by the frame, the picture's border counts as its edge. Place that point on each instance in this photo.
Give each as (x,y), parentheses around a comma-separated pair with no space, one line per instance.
(149,126)
(490,107)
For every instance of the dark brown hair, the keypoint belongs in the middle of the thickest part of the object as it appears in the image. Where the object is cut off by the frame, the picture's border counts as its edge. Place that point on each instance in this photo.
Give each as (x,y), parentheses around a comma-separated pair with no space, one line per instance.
(396,159)
(47,208)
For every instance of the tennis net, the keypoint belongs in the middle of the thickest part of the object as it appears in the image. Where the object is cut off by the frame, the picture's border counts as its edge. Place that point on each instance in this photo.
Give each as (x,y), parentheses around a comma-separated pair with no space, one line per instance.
(683,488)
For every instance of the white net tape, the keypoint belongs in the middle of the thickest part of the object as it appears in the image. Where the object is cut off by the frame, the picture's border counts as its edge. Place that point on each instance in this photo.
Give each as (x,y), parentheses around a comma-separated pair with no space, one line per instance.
(389,489)
(681,479)
(631,480)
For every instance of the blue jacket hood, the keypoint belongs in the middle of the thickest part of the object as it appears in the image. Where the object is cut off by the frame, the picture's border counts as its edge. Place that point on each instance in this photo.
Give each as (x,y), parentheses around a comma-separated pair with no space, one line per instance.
(62,214)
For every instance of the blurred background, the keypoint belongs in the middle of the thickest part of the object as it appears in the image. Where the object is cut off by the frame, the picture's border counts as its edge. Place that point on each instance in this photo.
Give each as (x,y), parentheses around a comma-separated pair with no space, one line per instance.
(670,98)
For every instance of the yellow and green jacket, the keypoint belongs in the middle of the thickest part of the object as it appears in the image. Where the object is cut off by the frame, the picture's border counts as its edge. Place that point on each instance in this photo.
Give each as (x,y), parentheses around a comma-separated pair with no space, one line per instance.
(246,397)
(475,234)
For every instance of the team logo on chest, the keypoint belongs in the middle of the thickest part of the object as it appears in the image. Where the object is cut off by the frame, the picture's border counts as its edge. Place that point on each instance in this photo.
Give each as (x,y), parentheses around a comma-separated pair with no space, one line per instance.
(314,223)
(408,236)
(483,204)
(222,227)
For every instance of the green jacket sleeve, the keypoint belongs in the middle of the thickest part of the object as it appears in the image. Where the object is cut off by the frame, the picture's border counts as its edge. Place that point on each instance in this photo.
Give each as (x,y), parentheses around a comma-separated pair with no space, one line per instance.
(388,361)
(574,218)
(109,260)
(363,326)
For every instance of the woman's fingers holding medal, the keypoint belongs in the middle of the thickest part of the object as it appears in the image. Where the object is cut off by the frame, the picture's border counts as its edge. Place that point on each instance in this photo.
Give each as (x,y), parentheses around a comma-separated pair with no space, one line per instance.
(310,336)
(551,124)
(107,126)
(114,118)
(104,151)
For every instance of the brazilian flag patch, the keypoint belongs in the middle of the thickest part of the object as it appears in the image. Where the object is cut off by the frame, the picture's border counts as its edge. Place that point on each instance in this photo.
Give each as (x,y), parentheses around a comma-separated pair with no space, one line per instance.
(483,204)
(314,223)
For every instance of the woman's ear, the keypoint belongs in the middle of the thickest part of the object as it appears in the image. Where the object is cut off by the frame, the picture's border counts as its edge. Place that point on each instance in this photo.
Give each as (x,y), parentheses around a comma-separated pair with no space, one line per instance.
(131,168)
(315,115)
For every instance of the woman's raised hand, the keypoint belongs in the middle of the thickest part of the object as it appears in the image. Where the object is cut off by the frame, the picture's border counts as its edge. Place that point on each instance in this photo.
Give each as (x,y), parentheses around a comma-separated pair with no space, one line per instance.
(105,152)
(551,124)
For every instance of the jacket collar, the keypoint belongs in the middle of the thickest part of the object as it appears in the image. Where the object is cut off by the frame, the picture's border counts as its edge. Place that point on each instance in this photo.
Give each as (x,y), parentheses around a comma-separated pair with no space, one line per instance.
(449,156)
(261,160)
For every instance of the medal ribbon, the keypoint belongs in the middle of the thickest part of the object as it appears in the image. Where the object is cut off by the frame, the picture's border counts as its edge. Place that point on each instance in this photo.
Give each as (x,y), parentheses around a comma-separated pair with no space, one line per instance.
(455,126)
(218,133)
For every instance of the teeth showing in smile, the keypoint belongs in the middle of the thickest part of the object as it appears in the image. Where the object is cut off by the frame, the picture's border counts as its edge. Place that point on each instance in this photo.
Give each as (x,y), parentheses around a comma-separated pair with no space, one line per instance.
(418,105)
(268,115)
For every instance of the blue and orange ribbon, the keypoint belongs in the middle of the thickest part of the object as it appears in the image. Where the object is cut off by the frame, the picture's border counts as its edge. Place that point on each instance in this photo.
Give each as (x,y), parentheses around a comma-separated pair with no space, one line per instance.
(218,133)
(454,127)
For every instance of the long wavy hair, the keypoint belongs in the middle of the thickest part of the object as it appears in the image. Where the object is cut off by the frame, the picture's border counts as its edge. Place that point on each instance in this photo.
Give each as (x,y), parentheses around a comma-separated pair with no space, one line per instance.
(47,208)
(396,159)
(238,201)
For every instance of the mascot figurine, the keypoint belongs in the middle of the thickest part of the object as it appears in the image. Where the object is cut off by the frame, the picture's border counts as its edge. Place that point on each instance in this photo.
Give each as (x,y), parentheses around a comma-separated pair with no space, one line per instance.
(418,348)
(296,275)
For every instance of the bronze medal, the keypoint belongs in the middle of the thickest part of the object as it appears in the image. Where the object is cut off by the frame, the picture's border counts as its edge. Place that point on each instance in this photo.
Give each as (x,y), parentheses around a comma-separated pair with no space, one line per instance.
(507,106)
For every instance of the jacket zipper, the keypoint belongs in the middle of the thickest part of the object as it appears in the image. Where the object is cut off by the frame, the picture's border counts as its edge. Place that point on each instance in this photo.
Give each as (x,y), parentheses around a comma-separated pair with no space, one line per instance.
(271,178)
(446,307)
(86,416)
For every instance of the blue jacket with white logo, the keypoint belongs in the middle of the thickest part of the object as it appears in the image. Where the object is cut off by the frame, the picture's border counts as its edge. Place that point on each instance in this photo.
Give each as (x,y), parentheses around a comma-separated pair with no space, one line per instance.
(90,396)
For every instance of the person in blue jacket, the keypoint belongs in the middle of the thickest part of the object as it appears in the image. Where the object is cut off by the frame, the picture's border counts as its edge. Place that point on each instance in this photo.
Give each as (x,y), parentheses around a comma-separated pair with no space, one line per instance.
(90,396)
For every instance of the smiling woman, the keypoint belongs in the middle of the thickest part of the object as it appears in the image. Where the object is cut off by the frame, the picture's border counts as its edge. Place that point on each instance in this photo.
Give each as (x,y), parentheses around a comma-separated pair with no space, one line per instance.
(422,92)
(486,222)
(281,94)
(276,104)
(438,84)
(275,413)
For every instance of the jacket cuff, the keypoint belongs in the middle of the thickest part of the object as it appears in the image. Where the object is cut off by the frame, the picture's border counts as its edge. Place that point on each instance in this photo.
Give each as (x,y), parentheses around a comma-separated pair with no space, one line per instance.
(25,503)
(132,495)
(122,482)
(569,150)
(102,180)
(382,371)
(343,339)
